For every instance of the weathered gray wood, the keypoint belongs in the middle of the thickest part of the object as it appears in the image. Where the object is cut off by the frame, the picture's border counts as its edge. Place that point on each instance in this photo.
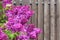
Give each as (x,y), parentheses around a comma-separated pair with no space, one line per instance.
(40,18)
(36,13)
(25,2)
(52,25)
(33,8)
(17,2)
(46,20)
(58,19)
(21,2)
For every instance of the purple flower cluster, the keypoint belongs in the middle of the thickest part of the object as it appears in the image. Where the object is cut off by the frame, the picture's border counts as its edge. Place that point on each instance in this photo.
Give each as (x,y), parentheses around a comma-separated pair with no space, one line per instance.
(23,37)
(30,32)
(5,2)
(17,18)
(17,22)
(19,14)
(3,36)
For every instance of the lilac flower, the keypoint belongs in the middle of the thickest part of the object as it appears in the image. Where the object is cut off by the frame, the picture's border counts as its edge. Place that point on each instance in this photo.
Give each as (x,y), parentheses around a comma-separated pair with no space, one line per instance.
(23,37)
(5,2)
(17,27)
(9,13)
(19,14)
(23,19)
(38,30)
(3,36)
(29,13)
(32,31)
(30,27)
(17,22)
(33,35)
(0,29)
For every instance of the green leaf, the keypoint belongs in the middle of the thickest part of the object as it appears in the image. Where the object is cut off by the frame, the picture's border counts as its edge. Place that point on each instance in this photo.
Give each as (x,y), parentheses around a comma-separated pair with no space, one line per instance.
(1,10)
(2,19)
(7,32)
(10,34)
(0,5)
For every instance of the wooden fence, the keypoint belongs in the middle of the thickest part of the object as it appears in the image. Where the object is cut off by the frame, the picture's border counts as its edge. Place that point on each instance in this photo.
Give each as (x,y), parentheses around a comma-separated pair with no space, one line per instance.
(47,17)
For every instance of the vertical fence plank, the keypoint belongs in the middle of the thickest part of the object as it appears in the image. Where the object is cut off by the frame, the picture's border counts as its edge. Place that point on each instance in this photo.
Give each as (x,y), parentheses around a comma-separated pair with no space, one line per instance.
(17,2)
(34,7)
(34,17)
(58,20)
(36,13)
(40,18)
(46,20)
(52,15)
(25,2)
(20,2)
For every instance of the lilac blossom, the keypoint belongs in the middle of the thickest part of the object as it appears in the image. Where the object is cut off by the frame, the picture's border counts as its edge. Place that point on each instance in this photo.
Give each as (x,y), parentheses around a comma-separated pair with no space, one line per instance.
(18,17)
(3,36)
(32,31)
(5,2)
(23,37)
(19,14)
(15,27)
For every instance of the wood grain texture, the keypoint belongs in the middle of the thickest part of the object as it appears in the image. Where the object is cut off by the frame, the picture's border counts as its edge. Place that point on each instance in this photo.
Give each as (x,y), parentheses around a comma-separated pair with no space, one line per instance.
(25,2)
(58,19)
(40,18)
(52,16)
(33,8)
(46,20)
(36,13)
(17,2)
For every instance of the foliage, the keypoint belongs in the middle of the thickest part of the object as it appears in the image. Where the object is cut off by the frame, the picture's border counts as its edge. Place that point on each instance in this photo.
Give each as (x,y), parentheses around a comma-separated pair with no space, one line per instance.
(10,34)
(2,19)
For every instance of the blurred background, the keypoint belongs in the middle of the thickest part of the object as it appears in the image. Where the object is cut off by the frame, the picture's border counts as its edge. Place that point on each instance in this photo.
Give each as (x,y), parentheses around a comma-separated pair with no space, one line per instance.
(47,16)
